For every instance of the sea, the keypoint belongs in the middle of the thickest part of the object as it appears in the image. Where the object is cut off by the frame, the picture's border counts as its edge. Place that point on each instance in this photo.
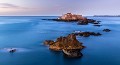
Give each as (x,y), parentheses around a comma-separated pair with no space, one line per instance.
(28,33)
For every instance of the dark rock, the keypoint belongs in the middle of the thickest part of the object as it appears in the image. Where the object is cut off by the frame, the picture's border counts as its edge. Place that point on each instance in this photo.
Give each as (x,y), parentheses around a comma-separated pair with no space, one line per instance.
(86,34)
(81,22)
(72,53)
(96,22)
(60,20)
(106,30)
(91,20)
(97,25)
(12,50)
(97,34)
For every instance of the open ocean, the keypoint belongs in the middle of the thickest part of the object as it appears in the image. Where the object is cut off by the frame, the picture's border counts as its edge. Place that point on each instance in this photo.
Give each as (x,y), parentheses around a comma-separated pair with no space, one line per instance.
(27,33)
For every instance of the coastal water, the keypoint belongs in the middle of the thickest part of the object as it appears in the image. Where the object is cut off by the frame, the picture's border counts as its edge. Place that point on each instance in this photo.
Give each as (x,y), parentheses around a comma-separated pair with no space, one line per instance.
(27,34)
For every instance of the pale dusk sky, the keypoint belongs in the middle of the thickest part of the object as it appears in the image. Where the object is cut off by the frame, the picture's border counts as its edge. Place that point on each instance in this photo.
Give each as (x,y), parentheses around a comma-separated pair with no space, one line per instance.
(58,7)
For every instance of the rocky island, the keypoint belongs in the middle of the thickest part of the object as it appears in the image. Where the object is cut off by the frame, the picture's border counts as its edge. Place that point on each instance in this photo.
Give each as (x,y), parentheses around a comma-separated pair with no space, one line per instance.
(69,45)
(69,17)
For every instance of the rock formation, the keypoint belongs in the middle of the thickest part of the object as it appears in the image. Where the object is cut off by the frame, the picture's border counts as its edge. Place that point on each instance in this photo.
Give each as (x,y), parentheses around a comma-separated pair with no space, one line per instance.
(67,44)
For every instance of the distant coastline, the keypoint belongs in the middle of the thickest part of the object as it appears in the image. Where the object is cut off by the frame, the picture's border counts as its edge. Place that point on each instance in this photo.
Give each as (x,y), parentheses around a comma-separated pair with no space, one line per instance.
(106,15)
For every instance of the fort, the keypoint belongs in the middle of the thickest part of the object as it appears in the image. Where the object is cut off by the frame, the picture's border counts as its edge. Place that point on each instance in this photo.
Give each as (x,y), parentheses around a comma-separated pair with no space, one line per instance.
(71,17)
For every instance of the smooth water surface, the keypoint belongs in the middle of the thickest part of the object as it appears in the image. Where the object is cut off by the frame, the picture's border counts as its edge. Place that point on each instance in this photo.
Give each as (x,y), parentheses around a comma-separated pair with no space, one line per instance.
(28,34)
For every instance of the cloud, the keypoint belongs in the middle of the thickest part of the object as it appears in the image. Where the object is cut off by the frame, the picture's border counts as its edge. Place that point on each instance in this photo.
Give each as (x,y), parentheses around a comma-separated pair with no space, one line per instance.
(6,9)
(7,5)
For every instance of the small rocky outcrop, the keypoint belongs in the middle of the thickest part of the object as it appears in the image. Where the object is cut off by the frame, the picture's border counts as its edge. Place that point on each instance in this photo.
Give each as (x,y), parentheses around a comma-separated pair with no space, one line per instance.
(98,25)
(11,50)
(96,22)
(106,30)
(68,44)
(86,34)
(82,22)
(91,21)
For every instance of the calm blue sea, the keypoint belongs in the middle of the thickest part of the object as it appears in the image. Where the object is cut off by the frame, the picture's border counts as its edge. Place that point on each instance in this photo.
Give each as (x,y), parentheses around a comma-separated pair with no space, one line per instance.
(28,34)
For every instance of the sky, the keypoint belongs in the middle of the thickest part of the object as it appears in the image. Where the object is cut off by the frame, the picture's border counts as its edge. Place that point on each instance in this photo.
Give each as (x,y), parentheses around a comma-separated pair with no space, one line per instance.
(59,7)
